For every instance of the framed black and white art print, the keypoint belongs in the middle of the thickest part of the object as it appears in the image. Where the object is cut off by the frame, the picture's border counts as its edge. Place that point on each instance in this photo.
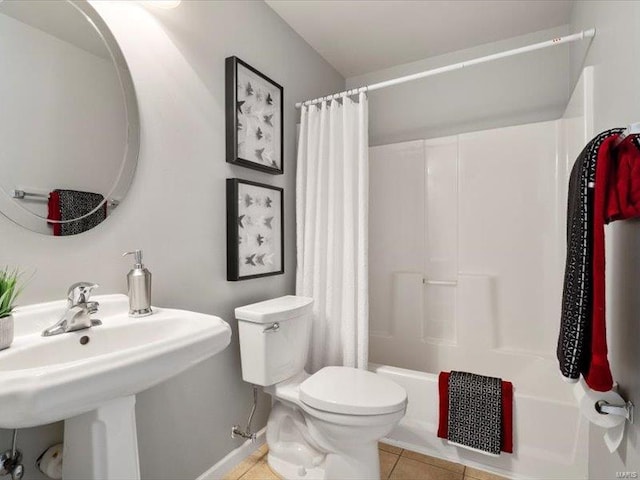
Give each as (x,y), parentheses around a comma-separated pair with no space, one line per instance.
(255,230)
(254,113)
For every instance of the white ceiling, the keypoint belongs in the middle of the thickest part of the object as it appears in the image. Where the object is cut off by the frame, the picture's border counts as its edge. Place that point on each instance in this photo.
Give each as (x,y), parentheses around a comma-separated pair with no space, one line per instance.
(362,36)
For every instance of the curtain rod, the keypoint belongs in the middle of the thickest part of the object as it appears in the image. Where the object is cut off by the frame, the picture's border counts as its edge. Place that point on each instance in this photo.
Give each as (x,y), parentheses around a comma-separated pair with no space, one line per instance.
(456,66)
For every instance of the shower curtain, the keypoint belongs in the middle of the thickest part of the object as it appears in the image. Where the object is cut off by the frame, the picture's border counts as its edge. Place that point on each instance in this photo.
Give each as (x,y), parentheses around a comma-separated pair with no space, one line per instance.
(332,227)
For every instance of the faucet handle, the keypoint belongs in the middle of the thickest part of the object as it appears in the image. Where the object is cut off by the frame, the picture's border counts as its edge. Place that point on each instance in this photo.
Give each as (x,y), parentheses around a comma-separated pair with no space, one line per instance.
(80,292)
(92,307)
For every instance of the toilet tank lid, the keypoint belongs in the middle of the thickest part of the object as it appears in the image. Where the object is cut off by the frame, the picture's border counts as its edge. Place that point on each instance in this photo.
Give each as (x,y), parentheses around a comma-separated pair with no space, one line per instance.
(275,310)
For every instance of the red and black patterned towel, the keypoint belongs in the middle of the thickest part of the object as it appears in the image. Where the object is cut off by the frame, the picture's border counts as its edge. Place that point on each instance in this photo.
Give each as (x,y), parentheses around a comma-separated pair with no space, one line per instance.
(75,211)
(476,411)
(604,186)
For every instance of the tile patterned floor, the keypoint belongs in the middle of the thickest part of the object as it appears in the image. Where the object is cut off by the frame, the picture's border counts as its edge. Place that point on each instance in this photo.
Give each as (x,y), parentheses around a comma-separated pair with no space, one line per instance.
(395,464)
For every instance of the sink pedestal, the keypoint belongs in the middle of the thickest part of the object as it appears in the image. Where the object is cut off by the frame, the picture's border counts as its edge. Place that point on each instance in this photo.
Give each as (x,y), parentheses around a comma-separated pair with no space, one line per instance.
(102,444)
(89,378)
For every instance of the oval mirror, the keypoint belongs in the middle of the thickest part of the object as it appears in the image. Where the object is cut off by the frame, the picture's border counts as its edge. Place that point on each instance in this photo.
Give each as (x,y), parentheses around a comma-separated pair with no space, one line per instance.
(69,127)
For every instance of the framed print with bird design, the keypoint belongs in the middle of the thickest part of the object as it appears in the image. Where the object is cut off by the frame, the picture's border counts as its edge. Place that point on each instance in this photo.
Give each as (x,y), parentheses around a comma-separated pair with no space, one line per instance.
(254,114)
(255,230)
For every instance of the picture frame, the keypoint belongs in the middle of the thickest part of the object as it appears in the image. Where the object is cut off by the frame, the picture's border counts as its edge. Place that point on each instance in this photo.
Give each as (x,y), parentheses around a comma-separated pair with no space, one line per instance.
(255,230)
(254,111)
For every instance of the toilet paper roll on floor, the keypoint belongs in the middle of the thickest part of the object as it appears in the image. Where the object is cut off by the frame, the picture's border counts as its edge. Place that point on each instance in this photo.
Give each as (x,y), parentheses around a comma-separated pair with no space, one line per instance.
(50,462)
(614,424)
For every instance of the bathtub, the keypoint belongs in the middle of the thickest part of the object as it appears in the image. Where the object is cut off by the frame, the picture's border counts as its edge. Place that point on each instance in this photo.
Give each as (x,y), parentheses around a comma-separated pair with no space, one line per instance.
(461,278)
(550,437)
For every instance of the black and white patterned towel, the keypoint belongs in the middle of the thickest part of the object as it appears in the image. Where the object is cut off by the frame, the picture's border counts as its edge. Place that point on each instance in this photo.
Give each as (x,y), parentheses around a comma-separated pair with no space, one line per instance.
(475,411)
(75,204)
(574,340)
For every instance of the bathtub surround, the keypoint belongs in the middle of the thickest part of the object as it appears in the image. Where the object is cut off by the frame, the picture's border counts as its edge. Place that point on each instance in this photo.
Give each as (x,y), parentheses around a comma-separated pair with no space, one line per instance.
(332,198)
(450,293)
(180,89)
(447,268)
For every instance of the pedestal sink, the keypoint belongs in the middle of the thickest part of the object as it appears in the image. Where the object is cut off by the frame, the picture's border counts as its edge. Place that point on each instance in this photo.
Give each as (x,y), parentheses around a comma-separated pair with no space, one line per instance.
(89,378)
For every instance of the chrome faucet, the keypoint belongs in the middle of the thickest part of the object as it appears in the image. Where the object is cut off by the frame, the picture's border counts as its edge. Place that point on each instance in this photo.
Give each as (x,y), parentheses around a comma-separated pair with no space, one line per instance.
(79,310)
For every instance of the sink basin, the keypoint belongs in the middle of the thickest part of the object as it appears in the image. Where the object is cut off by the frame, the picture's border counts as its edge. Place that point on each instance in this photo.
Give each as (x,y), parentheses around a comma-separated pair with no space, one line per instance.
(46,379)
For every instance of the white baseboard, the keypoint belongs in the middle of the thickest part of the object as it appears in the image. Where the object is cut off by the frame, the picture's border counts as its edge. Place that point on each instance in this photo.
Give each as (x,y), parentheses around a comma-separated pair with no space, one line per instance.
(234,457)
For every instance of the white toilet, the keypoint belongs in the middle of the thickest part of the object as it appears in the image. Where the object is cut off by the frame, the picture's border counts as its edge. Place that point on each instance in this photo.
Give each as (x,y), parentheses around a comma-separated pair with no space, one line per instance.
(322,426)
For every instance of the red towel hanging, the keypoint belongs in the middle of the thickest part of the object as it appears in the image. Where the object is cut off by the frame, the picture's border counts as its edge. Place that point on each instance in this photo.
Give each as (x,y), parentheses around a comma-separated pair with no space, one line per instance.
(507,411)
(54,212)
(617,197)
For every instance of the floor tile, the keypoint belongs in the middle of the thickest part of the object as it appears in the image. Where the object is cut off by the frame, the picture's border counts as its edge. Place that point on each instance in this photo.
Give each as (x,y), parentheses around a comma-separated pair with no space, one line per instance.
(260,471)
(387,462)
(389,448)
(244,466)
(438,462)
(475,474)
(239,470)
(262,451)
(407,469)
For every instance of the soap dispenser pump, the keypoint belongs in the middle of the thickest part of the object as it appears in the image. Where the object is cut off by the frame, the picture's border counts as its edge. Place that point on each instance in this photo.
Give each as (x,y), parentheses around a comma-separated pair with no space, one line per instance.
(139,287)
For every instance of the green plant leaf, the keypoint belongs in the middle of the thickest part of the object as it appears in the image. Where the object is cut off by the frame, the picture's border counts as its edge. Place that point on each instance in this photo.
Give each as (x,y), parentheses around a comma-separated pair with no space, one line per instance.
(4,304)
(10,288)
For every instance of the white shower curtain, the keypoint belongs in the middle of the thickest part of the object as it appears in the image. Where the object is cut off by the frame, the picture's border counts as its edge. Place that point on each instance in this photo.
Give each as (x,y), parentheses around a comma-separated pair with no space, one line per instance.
(332,227)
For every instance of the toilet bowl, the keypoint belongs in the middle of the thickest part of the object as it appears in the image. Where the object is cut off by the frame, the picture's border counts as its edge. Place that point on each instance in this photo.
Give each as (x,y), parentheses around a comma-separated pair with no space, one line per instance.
(322,426)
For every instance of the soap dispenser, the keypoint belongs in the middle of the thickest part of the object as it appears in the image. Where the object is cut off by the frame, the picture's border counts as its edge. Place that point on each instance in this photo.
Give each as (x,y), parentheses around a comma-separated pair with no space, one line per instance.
(139,287)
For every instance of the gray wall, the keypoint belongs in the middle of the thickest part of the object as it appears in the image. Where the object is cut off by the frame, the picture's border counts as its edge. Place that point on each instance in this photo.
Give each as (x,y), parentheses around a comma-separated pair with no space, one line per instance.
(615,53)
(175,211)
(526,88)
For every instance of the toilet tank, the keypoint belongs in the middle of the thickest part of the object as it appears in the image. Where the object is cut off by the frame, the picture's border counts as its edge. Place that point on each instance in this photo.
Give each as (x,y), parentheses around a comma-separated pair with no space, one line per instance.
(274,338)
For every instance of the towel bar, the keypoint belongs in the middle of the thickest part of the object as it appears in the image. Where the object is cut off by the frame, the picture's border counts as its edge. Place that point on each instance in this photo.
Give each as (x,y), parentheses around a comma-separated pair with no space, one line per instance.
(21,194)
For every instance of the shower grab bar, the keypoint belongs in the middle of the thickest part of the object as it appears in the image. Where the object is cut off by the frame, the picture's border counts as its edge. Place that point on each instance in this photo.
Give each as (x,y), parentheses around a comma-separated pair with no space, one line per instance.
(448,283)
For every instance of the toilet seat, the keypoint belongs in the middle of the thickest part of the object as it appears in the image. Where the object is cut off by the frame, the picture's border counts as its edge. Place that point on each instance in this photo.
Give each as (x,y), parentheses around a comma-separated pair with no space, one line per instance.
(348,420)
(349,391)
